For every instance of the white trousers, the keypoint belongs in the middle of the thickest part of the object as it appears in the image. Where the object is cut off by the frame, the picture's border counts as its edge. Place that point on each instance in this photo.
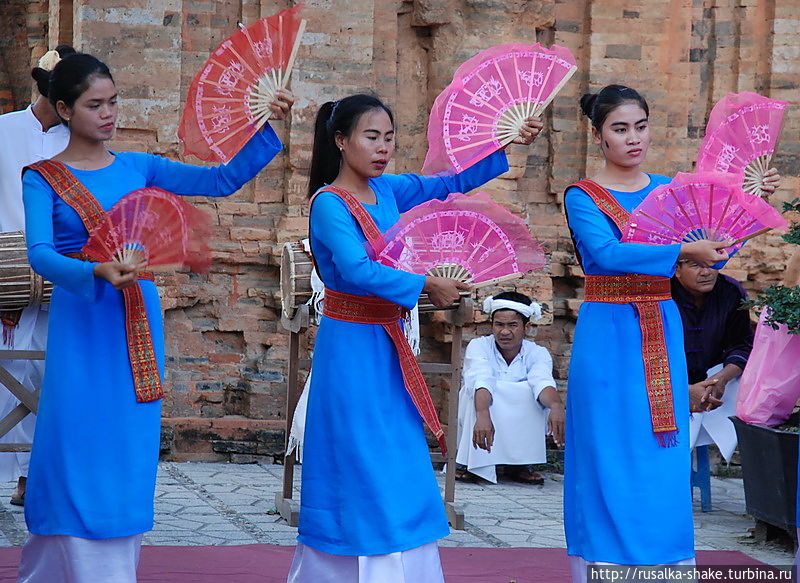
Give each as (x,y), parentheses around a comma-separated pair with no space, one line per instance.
(417,565)
(69,559)
(578,567)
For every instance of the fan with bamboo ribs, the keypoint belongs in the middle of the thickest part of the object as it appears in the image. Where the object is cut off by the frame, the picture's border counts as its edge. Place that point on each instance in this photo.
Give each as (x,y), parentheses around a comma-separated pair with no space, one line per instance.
(710,205)
(488,101)
(153,228)
(741,137)
(229,98)
(467,238)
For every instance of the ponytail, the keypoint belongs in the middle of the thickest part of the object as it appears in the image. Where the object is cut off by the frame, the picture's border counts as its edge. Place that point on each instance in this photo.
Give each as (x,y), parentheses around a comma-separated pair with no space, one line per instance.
(340,117)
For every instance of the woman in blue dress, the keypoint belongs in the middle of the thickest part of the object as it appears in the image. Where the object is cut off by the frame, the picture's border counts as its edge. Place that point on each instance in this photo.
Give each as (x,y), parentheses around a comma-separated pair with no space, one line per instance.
(627,498)
(371,511)
(95,455)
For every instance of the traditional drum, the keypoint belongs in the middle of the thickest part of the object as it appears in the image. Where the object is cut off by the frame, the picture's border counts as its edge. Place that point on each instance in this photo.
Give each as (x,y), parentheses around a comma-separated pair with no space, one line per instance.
(296,267)
(19,285)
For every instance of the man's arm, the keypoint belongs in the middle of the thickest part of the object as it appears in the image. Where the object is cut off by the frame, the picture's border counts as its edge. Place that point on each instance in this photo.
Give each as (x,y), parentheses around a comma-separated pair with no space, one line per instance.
(550,398)
(483,432)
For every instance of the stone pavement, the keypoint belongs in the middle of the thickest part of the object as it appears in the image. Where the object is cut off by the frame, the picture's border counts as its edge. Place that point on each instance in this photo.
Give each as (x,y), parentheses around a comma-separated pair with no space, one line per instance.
(232,504)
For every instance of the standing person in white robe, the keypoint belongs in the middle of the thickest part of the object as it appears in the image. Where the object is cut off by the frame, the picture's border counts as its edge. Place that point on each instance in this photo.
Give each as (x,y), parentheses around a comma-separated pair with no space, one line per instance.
(506,394)
(32,134)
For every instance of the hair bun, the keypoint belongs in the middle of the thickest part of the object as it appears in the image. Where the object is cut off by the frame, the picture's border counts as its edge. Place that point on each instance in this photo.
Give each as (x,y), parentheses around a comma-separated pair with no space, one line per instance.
(587,103)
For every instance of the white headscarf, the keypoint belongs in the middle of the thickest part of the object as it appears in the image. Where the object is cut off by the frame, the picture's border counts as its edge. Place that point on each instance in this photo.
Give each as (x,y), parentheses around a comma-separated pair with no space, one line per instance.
(491,305)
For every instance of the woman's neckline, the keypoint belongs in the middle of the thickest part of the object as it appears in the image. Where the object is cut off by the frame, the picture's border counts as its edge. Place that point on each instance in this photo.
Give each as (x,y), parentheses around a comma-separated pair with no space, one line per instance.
(75,169)
(638,191)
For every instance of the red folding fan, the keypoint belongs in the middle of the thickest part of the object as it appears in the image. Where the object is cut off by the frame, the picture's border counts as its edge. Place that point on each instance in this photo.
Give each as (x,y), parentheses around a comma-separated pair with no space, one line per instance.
(486,105)
(152,227)
(229,98)
(741,137)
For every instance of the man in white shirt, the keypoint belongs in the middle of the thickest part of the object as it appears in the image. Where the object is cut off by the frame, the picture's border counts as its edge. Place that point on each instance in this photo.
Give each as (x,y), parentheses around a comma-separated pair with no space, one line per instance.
(32,134)
(506,394)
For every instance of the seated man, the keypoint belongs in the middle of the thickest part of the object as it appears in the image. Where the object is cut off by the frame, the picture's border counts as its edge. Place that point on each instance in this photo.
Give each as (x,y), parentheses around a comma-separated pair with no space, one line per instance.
(507,390)
(718,338)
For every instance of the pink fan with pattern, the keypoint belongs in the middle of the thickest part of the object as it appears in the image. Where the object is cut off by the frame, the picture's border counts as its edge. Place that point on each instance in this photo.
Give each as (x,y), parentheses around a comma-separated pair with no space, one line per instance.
(468,238)
(155,228)
(741,137)
(709,205)
(489,99)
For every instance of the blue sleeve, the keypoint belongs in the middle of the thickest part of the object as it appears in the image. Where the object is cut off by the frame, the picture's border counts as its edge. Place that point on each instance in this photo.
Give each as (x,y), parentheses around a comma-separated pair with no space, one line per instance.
(223,180)
(596,238)
(334,226)
(73,275)
(413,189)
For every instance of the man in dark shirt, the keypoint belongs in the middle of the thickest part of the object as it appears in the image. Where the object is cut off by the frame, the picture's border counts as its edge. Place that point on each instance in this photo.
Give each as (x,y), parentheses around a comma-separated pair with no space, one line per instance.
(718,338)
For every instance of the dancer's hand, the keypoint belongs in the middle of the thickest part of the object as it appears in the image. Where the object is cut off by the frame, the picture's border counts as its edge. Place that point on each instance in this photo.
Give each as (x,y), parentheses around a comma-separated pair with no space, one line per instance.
(443,291)
(283,102)
(120,275)
(528,132)
(771,182)
(705,252)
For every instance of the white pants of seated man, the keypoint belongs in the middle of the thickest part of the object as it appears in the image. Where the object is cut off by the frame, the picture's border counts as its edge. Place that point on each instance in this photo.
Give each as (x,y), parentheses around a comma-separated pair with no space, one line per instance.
(714,426)
(69,559)
(417,565)
(579,568)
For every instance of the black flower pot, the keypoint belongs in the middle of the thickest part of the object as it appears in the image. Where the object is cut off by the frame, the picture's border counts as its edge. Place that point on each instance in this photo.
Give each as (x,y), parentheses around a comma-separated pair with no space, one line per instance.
(769,472)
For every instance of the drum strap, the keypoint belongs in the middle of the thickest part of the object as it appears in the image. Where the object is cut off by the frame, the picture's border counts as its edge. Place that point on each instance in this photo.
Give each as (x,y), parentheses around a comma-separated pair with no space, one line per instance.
(146,377)
(374,310)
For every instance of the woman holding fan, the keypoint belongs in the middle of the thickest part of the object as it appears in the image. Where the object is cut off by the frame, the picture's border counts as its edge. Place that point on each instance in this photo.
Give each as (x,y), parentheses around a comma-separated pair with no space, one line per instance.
(95,455)
(626,486)
(371,508)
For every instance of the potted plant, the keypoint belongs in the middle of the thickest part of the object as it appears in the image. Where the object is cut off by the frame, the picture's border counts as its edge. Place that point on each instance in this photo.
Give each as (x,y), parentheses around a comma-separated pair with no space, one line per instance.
(769,450)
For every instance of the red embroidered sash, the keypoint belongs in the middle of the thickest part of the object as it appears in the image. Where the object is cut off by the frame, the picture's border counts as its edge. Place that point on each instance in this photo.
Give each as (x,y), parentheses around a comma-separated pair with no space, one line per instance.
(644,292)
(146,378)
(373,310)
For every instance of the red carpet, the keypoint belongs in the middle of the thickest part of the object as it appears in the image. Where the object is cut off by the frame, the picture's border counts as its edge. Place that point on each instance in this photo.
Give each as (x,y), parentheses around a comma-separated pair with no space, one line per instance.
(270,564)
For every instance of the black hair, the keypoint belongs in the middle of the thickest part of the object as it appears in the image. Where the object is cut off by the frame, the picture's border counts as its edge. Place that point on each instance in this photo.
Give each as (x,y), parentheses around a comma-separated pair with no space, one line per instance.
(42,76)
(72,76)
(340,117)
(513,296)
(597,106)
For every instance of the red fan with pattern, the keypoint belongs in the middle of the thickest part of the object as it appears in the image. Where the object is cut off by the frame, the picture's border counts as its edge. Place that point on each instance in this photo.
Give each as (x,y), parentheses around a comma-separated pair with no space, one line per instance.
(229,98)
(155,228)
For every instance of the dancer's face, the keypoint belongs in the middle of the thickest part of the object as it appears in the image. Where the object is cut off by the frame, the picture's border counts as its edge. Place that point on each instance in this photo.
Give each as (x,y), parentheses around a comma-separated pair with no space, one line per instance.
(370,147)
(94,114)
(625,135)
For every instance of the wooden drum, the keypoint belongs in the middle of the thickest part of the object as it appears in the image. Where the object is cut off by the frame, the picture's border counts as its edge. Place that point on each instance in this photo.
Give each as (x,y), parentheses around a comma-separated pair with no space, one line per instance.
(296,267)
(20,287)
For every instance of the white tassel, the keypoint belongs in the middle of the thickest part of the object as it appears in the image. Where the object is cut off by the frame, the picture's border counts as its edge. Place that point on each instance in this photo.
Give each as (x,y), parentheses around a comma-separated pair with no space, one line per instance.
(297,433)
(411,329)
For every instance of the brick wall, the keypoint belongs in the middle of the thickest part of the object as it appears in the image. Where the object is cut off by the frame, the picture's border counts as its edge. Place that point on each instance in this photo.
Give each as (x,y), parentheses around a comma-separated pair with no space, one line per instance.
(225,347)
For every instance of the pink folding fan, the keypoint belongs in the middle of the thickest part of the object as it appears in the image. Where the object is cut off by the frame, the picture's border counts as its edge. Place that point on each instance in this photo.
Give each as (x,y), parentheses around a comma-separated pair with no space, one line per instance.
(489,99)
(741,137)
(708,205)
(468,238)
